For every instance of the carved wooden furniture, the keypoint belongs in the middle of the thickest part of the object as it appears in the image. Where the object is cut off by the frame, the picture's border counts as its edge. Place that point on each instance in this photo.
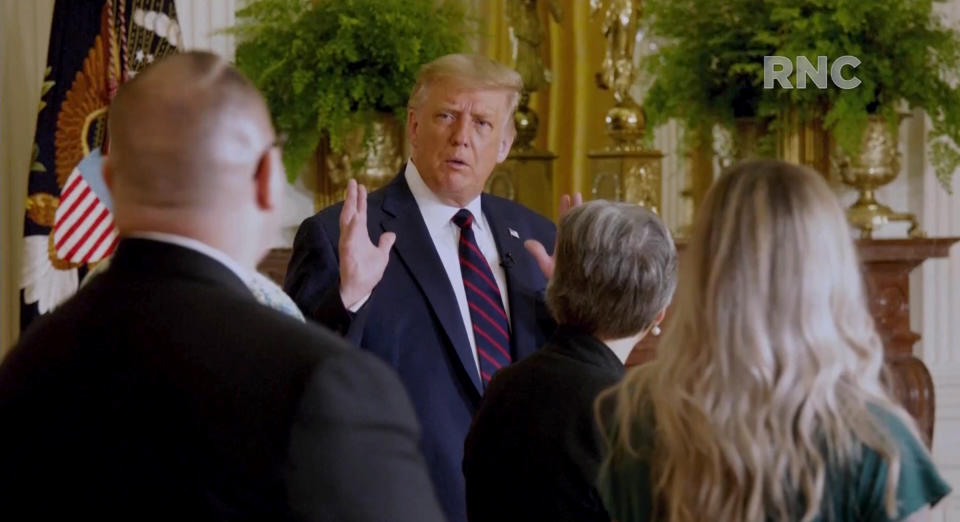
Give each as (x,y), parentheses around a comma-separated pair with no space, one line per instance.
(887,264)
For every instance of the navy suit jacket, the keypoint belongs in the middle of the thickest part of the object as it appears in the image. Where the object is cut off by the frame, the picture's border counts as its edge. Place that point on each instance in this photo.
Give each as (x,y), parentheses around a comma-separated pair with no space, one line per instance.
(412,319)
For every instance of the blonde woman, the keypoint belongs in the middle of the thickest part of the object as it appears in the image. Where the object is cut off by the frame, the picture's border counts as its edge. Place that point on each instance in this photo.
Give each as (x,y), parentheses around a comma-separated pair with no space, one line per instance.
(765,401)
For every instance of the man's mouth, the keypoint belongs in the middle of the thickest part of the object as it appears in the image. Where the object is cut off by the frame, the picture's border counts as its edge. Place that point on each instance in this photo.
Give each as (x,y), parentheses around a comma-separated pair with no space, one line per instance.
(457,163)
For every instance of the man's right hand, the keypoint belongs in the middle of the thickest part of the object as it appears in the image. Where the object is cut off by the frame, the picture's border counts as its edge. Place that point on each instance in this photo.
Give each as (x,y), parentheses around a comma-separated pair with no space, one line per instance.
(361,262)
(544,260)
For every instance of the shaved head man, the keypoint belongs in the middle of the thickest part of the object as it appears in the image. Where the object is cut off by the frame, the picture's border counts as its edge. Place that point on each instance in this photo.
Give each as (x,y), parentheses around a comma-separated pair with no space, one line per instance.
(193,152)
(163,390)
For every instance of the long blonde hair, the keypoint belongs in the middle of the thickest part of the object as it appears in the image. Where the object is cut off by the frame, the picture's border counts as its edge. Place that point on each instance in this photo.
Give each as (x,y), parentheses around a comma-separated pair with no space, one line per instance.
(763,377)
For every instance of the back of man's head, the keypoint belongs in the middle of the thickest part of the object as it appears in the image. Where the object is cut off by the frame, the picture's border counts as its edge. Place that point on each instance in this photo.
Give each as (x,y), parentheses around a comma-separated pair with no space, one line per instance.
(191,151)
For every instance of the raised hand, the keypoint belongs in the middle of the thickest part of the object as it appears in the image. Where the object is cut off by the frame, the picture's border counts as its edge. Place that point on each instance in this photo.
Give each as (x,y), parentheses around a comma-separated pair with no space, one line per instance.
(544,260)
(361,262)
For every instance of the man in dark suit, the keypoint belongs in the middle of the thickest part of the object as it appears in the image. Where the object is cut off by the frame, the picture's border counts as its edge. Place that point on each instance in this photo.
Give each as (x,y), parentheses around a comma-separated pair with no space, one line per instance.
(163,390)
(534,449)
(448,295)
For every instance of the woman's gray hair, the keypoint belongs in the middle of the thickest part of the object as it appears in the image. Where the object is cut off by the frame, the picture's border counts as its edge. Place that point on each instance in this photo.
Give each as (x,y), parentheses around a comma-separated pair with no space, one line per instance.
(615,269)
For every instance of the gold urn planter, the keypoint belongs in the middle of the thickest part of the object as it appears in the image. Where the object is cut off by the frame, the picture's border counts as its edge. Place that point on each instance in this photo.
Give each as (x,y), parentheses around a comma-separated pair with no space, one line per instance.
(372,162)
(877,164)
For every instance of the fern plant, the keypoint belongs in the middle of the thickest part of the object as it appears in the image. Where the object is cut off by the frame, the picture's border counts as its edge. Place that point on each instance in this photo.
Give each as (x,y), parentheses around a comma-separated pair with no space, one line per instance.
(327,67)
(711,67)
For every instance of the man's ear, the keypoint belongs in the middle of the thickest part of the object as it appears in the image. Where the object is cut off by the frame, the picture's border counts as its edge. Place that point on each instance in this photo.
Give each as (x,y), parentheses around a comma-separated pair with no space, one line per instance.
(412,124)
(263,178)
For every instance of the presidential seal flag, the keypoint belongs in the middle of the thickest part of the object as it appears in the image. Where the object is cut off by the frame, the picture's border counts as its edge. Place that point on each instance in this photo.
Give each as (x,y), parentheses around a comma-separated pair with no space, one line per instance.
(95,45)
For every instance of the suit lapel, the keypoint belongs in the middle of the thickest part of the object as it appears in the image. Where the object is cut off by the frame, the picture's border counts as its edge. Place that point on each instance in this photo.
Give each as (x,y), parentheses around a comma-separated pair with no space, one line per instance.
(419,255)
(520,269)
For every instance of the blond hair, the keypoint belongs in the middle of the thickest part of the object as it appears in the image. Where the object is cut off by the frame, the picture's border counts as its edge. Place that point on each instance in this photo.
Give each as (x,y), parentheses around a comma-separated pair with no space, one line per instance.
(764,376)
(468,70)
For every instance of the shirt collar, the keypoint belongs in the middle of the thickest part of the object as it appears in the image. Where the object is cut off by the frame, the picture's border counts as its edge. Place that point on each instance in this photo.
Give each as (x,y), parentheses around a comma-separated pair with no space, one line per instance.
(197,246)
(437,214)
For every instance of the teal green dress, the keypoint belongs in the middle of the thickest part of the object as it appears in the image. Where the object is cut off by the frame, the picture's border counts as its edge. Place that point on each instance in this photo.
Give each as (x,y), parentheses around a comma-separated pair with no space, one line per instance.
(855,494)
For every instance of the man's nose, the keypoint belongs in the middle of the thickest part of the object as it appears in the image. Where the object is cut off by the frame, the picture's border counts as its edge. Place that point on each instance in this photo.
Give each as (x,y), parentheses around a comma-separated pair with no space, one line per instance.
(460,135)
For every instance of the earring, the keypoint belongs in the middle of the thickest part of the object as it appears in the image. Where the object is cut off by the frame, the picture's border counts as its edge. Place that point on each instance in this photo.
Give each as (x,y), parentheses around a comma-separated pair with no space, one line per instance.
(656,330)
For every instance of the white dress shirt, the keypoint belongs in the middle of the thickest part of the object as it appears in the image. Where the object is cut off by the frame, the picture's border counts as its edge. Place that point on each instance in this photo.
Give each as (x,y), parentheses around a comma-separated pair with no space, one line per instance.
(438,216)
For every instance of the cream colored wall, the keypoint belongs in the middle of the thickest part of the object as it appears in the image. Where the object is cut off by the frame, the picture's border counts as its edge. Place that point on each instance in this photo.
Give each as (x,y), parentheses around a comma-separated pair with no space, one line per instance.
(935,295)
(24,33)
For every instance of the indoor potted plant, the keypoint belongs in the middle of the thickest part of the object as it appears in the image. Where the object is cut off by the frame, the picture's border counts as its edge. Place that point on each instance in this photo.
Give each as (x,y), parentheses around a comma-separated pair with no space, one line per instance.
(339,72)
(907,55)
(710,69)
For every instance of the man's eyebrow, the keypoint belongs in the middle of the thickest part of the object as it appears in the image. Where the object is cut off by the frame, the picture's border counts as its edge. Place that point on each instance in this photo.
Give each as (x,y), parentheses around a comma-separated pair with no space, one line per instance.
(448,107)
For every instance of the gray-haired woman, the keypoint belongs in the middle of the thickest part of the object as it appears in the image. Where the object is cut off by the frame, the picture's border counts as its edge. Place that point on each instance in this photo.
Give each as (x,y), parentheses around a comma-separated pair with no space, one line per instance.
(534,448)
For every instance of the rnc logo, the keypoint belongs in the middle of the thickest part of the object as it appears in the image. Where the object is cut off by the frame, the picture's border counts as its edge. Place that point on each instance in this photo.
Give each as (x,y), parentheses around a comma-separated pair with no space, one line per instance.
(779,69)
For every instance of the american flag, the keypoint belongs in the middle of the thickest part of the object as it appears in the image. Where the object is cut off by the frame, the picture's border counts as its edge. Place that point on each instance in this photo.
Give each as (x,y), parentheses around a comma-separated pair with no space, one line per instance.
(95,45)
(83,230)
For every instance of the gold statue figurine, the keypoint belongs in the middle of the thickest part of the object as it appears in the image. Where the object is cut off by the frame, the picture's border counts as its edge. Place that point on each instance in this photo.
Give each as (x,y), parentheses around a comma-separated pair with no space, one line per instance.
(621,20)
(528,35)
(624,170)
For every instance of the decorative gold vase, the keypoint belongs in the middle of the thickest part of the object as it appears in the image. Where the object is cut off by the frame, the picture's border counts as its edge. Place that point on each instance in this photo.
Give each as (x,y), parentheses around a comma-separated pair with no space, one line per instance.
(626,126)
(877,164)
(372,163)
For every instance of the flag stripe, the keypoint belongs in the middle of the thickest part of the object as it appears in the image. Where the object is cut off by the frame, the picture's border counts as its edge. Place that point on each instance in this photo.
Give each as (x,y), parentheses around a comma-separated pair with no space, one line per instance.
(98,237)
(89,203)
(88,230)
(91,244)
(71,185)
(76,195)
(68,214)
(106,247)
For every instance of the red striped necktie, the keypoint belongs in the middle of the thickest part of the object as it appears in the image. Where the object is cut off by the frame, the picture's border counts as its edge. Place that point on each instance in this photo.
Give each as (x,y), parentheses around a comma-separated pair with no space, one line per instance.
(491,330)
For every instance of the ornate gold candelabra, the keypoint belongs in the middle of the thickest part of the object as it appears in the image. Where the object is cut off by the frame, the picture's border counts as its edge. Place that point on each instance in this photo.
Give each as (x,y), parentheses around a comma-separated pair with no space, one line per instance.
(624,170)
